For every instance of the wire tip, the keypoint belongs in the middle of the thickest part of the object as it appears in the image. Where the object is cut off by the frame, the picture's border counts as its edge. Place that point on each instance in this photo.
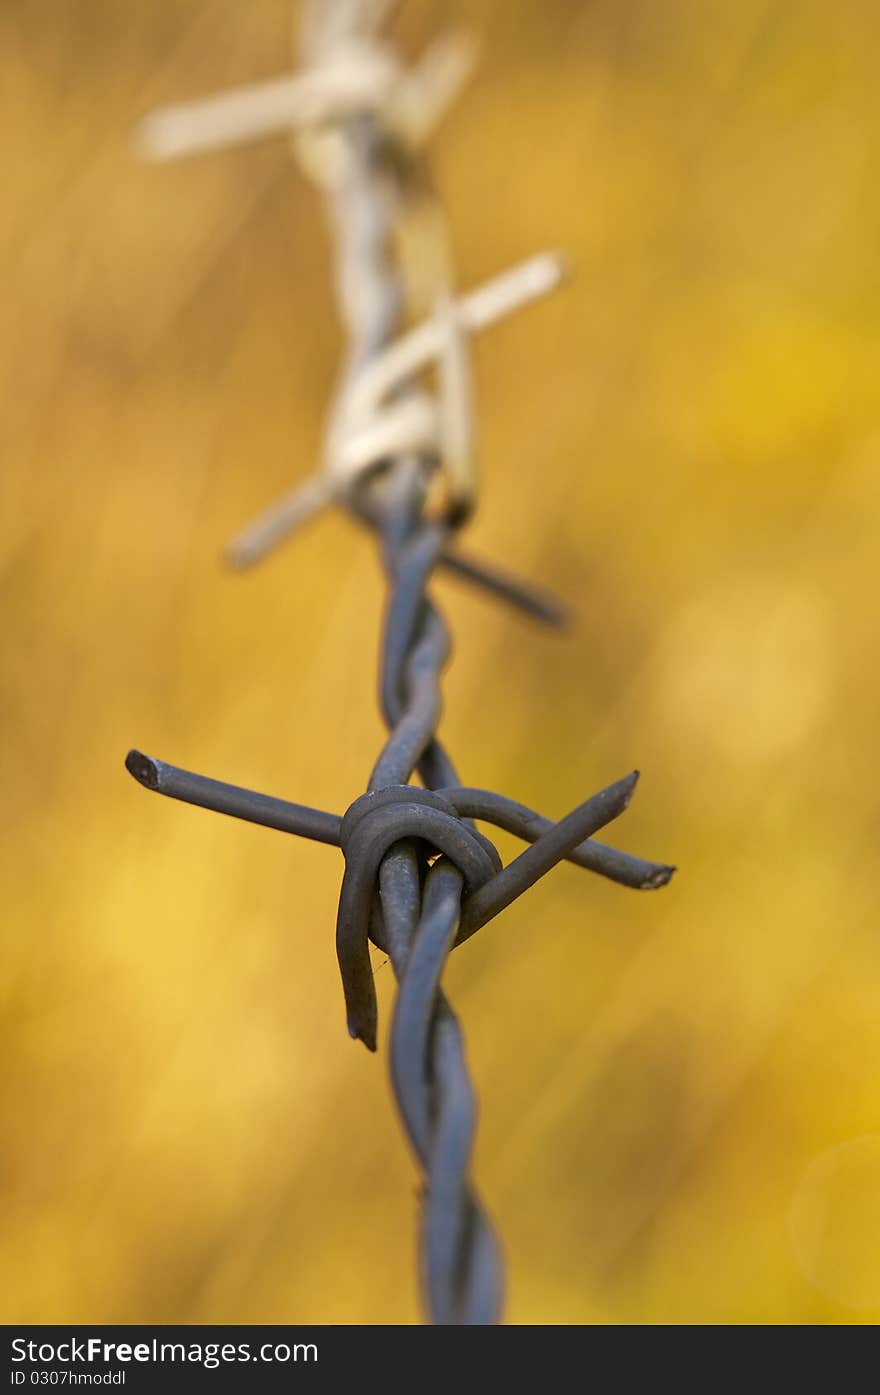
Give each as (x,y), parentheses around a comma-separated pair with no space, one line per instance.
(660,877)
(364,1034)
(619,795)
(143,769)
(150,140)
(237,558)
(565,266)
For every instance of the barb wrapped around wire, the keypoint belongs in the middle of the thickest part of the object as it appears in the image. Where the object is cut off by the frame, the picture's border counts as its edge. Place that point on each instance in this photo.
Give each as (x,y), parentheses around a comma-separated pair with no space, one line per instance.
(419,877)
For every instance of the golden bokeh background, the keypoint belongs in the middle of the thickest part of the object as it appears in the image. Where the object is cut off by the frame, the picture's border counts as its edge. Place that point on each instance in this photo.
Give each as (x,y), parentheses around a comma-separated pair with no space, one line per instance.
(680,1091)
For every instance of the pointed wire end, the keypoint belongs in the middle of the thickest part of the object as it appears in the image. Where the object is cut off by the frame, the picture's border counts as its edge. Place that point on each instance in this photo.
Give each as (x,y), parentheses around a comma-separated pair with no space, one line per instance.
(239,556)
(565,266)
(624,790)
(612,801)
(659,876)
(254,542)
(530,600)
(544,273)
(443,70)
(549,271)
(550,611)
(364,1033)
(143,768)
(468,49)
(156,138)
(278,522)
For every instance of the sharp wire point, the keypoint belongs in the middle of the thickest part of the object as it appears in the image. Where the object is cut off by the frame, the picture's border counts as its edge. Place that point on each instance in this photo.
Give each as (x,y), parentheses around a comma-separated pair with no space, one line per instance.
(143,769)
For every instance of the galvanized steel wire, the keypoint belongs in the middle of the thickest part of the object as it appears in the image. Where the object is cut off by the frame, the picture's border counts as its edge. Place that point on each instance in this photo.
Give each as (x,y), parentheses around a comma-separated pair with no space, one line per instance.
(419,877)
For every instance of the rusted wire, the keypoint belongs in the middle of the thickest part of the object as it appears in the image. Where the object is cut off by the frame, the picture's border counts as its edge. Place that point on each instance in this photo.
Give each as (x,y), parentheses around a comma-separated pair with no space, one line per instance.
(419,878)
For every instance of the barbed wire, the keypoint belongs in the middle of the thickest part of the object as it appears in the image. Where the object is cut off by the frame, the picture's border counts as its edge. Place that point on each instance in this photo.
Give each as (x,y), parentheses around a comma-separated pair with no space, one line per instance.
(419,877)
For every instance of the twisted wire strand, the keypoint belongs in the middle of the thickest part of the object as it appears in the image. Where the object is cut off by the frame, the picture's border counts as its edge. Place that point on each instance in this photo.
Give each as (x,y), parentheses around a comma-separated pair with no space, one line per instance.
(419,877)
(461,1263)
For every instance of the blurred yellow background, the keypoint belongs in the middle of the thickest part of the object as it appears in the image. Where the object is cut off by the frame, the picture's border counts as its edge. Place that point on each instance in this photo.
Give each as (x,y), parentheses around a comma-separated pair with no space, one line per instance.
(680,1091)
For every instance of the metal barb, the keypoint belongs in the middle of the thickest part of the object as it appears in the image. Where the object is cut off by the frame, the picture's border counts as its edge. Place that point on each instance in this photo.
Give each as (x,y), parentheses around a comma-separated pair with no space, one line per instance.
(419,878)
